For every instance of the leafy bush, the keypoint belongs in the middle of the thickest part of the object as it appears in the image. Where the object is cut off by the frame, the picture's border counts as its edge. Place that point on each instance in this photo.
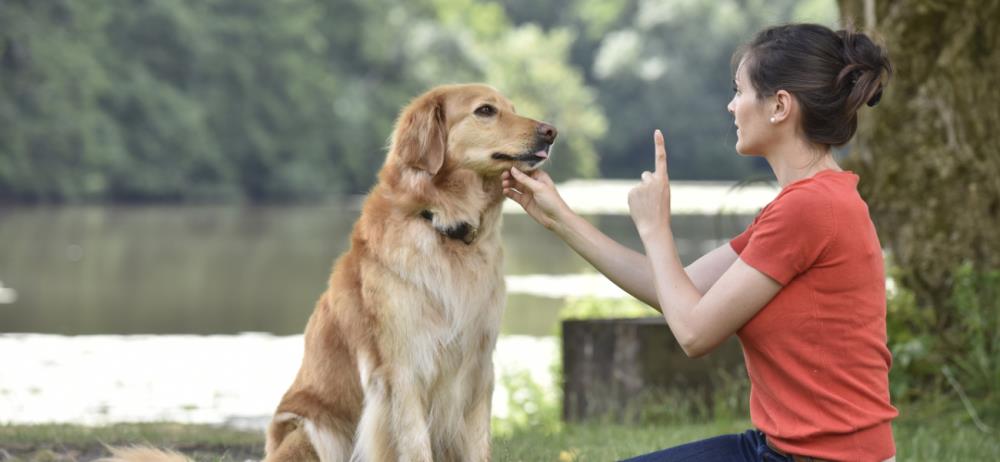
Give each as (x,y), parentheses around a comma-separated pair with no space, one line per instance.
(604,308)
(530,405)
(959,358)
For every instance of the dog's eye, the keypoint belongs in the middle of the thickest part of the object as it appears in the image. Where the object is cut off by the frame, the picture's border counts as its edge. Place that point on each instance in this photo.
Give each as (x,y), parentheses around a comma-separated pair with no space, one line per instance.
(486,110)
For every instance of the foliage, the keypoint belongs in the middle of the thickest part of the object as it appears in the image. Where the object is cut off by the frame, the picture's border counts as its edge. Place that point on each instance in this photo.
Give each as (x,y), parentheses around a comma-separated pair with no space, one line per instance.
(912,338)
(252,99)
(261,100)
(973,343)
(165,101)
(968,350)
(530,405)
(598,308)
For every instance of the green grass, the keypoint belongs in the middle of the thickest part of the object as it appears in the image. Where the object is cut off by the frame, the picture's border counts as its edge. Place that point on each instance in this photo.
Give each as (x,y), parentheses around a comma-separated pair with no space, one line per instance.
(602,442)
(927,436)
(939,440)
(74,443)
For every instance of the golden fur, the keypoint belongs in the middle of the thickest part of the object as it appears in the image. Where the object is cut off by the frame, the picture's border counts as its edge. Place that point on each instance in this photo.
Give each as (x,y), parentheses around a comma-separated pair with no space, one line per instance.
(398,351)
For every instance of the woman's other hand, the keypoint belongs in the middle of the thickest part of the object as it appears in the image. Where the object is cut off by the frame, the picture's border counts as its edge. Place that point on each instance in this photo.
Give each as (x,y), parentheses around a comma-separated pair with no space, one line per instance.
(649,202)
(536,193)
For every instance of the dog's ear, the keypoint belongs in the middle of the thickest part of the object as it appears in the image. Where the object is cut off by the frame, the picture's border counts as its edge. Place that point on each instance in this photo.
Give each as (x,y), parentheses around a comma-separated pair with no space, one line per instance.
(421,135)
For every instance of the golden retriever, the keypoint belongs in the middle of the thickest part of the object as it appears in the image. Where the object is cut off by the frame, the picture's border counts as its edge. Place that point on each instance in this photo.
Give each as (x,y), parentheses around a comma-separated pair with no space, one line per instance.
(398,351)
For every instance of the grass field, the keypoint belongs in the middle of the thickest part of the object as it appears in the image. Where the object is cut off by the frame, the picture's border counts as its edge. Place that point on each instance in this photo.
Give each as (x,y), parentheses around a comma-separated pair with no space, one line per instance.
(939,438)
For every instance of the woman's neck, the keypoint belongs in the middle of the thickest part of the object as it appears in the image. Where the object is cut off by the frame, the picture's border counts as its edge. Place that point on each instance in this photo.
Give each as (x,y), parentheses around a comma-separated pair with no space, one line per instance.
(796,160)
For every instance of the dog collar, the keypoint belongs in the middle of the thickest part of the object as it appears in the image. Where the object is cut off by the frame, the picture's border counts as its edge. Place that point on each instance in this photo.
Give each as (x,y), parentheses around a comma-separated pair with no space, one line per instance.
(461,232)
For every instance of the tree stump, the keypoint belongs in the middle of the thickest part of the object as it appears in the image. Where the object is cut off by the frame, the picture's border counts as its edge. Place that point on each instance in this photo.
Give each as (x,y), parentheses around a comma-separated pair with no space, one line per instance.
(611,365)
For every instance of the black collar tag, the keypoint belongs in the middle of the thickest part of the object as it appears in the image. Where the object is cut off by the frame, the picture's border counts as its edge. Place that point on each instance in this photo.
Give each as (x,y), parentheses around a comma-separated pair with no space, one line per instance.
(461,232)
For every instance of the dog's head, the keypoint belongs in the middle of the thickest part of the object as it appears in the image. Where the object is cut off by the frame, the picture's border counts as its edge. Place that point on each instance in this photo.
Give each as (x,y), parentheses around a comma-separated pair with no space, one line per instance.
(468,126)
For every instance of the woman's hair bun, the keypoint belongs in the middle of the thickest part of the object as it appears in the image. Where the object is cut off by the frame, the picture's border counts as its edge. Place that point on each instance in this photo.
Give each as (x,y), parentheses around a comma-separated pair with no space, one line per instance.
(864,65)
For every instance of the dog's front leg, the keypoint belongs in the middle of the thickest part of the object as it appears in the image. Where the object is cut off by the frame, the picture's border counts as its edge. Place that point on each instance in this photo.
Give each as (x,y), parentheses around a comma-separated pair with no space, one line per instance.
(409,419)
(476,436)
(373,442)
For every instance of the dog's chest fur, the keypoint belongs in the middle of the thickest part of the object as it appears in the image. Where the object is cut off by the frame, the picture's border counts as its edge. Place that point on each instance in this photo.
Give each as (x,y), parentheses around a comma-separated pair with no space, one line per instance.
(449,290)
(442,318)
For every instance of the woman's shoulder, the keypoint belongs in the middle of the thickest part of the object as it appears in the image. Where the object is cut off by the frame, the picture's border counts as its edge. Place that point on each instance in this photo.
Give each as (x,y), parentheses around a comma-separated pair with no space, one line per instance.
(800,197)
(829,189)
(821,200)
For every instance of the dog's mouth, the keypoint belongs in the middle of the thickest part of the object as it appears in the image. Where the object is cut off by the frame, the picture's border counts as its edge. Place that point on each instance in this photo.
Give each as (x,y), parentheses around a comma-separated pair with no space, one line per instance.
(533,157)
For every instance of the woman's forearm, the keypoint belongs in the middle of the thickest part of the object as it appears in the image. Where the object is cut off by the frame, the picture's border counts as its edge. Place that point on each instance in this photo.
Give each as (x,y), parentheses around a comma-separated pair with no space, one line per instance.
(625,267)
(631,270)
(675,291)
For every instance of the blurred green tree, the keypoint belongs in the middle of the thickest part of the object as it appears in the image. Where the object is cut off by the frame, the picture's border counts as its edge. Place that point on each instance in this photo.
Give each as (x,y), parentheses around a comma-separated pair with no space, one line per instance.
(55,140)
(252,99)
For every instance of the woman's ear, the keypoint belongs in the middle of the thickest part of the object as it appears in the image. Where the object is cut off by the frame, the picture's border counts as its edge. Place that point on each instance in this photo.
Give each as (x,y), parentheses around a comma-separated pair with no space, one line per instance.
(782,110)
(421,135)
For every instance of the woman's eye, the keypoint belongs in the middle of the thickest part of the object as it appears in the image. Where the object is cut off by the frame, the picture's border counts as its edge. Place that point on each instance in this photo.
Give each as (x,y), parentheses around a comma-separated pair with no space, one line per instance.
(486,110)
(736,90)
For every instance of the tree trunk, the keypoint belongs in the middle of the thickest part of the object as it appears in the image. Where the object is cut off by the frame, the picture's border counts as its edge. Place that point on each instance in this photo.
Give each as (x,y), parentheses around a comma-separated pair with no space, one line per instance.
(619,369)
(929,154)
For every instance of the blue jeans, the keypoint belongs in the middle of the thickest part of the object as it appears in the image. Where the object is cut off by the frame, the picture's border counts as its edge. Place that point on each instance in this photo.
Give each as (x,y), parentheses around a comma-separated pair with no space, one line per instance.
(748,446)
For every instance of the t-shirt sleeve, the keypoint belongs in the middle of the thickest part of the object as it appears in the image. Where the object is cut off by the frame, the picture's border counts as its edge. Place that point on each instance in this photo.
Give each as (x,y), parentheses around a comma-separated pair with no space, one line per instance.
(739,242)
(789,236)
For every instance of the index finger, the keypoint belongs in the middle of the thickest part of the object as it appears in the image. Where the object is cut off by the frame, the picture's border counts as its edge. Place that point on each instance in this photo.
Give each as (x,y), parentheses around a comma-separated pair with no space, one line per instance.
(525,179)
(661,153)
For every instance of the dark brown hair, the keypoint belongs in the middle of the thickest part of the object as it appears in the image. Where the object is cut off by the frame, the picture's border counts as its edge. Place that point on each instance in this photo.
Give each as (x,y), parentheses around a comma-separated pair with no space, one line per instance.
(831,74)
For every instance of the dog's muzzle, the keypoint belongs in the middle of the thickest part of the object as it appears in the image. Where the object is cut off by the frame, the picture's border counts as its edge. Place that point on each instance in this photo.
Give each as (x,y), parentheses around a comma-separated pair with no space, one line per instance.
(536,155)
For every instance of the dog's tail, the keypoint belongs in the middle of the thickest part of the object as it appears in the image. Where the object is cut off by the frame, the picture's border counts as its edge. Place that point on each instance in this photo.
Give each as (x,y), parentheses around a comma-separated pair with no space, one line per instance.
(143,454)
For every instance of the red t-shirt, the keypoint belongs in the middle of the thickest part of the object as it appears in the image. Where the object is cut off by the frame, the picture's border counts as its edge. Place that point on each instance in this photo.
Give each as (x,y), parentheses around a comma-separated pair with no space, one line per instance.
(816,353)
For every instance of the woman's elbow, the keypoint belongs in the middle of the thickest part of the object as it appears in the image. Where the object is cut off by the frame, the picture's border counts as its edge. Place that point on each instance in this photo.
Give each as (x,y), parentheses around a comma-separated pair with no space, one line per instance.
(694,350)
(689,343)
(693,340)
(696,347)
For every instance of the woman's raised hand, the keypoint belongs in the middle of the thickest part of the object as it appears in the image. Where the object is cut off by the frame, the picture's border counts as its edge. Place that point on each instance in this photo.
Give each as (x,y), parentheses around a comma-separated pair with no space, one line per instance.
(536,193)
(649,202)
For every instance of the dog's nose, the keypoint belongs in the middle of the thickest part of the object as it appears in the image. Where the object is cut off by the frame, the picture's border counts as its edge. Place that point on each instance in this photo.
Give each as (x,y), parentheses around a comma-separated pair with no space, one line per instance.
(547,132)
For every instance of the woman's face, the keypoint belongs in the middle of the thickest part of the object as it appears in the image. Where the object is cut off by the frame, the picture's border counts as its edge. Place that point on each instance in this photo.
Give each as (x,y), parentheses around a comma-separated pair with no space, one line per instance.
(753,130)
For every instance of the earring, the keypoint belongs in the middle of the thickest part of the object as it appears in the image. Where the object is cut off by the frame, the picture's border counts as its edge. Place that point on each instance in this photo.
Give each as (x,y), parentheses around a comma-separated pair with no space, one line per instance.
(772,120)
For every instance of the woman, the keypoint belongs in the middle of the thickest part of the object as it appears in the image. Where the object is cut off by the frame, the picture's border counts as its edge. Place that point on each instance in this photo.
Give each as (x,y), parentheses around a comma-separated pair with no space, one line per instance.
(803,287)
